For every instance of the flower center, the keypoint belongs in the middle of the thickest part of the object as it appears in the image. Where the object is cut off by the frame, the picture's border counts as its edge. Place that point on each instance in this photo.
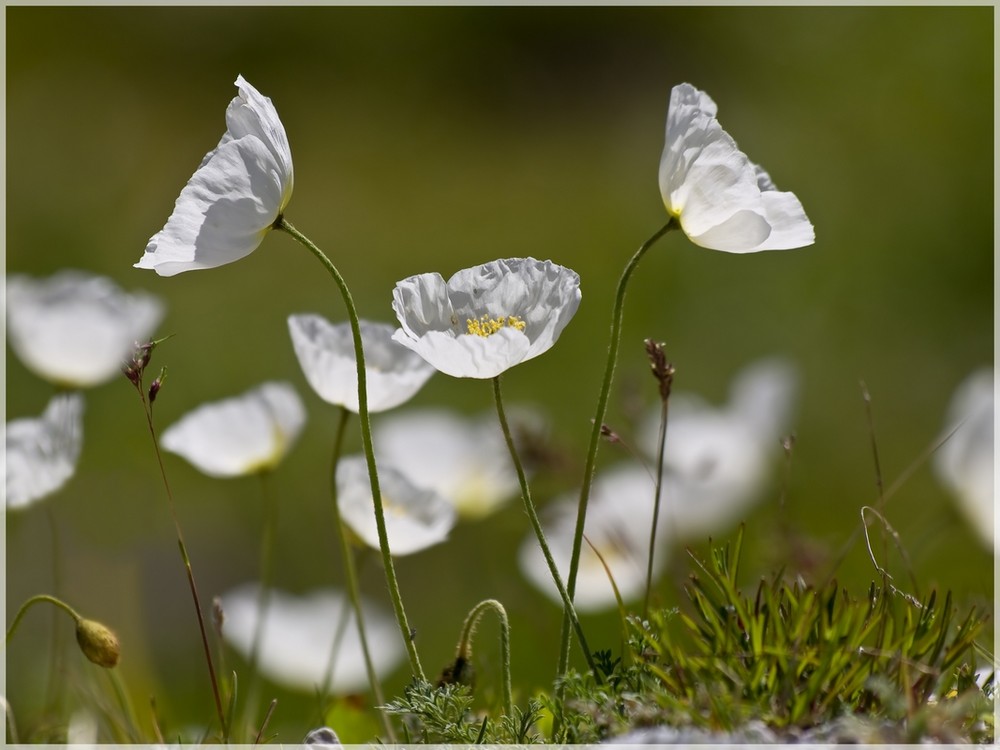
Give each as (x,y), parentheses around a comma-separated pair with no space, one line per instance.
(486,326)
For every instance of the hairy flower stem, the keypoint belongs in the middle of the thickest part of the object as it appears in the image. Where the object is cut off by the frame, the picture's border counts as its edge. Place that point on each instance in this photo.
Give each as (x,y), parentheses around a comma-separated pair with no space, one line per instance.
(529,508)
(350,572)
(148,409)
(595,434)
(366,440)
(464,650)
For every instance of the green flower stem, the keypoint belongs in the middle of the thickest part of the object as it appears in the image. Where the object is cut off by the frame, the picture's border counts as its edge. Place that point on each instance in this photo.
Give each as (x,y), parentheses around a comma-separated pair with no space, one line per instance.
(366,439)
(464,650)
(350,572)
(595,434)
(529,508)
(35,600)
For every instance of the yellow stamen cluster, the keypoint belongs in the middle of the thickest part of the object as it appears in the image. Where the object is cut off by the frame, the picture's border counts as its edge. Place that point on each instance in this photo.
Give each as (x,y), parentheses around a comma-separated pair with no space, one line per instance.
(486,326)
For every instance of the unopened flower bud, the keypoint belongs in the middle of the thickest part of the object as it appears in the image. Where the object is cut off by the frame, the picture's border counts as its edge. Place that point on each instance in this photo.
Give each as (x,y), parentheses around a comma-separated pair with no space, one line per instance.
(97,642)
(155,386)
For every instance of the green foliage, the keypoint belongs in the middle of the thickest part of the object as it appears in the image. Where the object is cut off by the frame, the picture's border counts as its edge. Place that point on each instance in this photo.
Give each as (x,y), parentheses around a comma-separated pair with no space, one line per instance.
(793,656)
(444,715)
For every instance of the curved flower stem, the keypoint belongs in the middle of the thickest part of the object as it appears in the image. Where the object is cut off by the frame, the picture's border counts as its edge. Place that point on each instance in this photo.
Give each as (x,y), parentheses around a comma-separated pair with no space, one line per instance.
(350,572)
(366,440)
(595,434)
(529,508)
(464,650)
(35,600)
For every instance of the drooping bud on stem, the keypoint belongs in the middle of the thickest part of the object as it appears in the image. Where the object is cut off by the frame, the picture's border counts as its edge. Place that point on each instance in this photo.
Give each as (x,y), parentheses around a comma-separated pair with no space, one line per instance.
(98,643)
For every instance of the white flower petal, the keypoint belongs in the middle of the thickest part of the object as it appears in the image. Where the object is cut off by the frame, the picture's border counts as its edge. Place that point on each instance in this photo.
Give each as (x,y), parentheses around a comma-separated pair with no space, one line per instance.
(42,453)
(487,318)
(326,355)
(75,329)
(240,435)
(300,633)
(415,518)
(723,200)
(619,518)
(965,462)
(463,460)
(234,197)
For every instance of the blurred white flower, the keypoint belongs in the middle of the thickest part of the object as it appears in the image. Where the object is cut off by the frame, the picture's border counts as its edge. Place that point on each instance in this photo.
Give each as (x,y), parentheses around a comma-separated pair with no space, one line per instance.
(42,453)
(300,634)
(486,319)
(240,435)
(415,518)
(619,517)
(75,329)
(722,200)
(235,196)
(460,458)
(965,462)
(717,460)
(326,355)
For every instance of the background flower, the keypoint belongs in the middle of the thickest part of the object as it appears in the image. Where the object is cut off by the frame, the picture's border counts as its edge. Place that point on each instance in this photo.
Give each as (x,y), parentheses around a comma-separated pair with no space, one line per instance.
(240,435)
(461,458)
(301,632)
(235,196)
(488,318)
(74,328)
(619,517)
(964,463)
(326,355)
(415,518)
(717,459)
(42,453)
(722,199)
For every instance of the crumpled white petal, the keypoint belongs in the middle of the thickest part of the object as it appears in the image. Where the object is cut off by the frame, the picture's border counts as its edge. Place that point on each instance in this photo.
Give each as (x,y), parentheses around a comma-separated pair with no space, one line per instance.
(241,435)
(415,518)
(463,459)
(965,462)
(234,197)
(718,459)
(75,329)
(525,304)
(300,634)
(326,355)
(722,200)
(42,453)
(619,517)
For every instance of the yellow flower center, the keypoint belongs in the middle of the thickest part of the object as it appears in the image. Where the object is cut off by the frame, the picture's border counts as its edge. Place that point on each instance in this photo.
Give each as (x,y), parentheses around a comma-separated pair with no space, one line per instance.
(486,326)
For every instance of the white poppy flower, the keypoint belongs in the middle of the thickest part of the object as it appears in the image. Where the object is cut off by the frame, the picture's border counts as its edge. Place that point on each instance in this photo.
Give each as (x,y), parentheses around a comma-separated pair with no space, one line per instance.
(462,459)
(326,355)
(415,518)
(75,329)
(964,463)
(718,460)
(42,453)
(619,517)
(488,318)
(722,200)
(235,196)
(300,634)
(240,435)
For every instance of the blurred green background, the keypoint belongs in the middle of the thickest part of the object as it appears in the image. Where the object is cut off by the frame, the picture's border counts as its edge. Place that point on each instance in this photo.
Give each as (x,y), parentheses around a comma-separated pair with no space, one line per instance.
(439,138)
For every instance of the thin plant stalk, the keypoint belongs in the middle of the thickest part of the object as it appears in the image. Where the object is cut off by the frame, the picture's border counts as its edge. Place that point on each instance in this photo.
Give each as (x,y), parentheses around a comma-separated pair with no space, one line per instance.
(350,572)
(464,650)
(529,508)
(366,440)
(185,558)
(661,442)
(37,598)
(595,434)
